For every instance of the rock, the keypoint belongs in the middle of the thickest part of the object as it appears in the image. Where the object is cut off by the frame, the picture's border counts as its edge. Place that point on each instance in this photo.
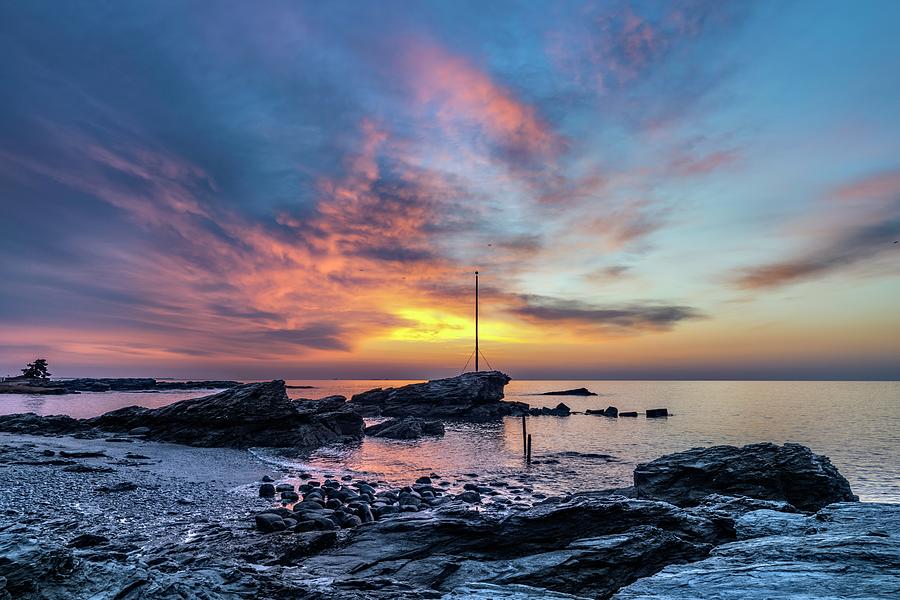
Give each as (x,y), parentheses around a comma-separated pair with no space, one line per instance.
(628,414)
(561,410)
(575,392)
(290,496)
(424,479)
(408,428)
(653,413)
(588,547)
(471,396)
(122,486)
(791,473)
(139,431)
(268,522)
(254,414)
(470,497)
(88,540)
(284,487)
(88,469)
(266,479)
(82,454)
(27,562)
(267,490)
(844,554)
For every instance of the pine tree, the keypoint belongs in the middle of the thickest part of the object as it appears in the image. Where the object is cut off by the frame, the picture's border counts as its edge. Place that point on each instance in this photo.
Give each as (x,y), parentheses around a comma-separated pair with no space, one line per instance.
(37,369)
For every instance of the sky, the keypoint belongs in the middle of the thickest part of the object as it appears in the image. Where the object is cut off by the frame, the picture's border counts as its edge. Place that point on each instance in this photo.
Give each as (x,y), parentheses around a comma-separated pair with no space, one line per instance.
(695,189)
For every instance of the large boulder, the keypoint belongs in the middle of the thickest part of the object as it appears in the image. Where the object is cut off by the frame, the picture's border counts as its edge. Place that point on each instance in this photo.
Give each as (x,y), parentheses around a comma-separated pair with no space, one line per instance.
(791,472)
(408,428)
(253,414)
(473,396)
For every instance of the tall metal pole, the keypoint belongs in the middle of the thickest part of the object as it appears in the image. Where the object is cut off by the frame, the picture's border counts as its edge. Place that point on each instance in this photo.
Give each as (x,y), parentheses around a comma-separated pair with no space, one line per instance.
(476,321)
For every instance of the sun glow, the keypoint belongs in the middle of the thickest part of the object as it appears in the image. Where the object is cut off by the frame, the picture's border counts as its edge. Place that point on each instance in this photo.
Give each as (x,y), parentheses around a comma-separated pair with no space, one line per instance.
(428,324)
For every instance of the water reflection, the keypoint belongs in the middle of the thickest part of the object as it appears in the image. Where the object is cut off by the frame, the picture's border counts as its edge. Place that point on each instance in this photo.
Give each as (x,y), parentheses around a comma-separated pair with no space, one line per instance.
(857,424)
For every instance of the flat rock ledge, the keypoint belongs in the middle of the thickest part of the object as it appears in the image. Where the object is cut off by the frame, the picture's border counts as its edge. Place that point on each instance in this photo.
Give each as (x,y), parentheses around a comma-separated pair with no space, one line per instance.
(253,414)
(476,396)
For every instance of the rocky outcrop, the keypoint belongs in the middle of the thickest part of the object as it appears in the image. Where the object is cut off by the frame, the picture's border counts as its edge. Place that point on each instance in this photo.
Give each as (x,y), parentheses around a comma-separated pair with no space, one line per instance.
(408,428)
(473,396)
(847,550)
(792,473)
(587,546)
(254,414)
(575,392)
(21,385)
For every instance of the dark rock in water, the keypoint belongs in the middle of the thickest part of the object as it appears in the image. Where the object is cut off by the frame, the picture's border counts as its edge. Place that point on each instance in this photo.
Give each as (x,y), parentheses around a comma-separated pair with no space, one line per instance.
(408,428)
(610,411)
(653,413)
(284,487)
(267,479)
(561,410)
(575,392)
(254,414)
(628,414)
(267,490)
(471,396)
(791,473)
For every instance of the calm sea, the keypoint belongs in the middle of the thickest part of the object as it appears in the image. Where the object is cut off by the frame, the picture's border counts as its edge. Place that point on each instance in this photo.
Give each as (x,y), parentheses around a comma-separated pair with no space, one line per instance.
(856,424)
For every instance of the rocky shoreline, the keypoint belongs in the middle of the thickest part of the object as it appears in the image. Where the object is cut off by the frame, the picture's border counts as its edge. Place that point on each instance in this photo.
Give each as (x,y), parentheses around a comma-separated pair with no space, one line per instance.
(144,519)
(108,507)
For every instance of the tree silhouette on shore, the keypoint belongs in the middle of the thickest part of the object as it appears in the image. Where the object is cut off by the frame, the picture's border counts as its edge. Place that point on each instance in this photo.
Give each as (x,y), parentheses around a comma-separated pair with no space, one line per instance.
(37,369)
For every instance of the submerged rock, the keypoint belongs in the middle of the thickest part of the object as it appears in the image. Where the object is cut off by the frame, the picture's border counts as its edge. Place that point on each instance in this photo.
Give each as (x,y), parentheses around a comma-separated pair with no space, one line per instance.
(609,411)
(254,414)
(409,428)
(791,472)
(653,413)
(473,396)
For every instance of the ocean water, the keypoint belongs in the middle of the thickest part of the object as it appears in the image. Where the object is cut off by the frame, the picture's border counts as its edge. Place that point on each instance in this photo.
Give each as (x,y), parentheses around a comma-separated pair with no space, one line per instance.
(856,424)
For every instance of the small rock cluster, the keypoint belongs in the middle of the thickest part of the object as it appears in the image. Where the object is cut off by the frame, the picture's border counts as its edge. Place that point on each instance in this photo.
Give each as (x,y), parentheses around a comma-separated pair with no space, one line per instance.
(560,410)
(330,505)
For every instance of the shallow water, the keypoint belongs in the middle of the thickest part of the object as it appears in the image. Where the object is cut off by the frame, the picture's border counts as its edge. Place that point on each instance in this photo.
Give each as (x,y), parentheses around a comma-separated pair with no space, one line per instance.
(856,424)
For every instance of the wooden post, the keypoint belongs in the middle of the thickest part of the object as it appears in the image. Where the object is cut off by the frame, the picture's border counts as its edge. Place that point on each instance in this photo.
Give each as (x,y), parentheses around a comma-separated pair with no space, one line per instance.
(528,454)
(524,436)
